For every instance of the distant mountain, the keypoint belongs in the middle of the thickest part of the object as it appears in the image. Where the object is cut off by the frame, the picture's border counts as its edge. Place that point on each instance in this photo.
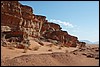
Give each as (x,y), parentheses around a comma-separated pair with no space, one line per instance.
(89,42)
(97,42)
(86,41)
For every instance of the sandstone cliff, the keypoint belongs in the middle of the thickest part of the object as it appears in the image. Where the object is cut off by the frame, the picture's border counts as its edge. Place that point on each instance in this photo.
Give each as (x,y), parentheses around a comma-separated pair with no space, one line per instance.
(19,17)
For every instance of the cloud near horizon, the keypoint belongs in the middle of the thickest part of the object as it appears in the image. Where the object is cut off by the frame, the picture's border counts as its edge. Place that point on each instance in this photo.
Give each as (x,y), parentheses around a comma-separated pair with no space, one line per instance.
(67,24)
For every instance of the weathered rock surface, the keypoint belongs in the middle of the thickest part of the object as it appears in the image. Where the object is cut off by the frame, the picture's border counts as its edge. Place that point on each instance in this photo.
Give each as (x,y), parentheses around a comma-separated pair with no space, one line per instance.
(21,18)
(88,52)
(18,16)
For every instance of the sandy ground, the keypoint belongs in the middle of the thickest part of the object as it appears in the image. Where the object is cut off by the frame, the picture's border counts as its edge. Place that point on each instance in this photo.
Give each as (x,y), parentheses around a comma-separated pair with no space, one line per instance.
(43,57)
(10,53)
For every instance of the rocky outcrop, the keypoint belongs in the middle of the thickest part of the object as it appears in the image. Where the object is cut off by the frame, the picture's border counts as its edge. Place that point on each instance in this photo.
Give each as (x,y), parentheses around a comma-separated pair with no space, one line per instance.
(20,18)
(89,52)
(72,41)
(53,31)
(49,27)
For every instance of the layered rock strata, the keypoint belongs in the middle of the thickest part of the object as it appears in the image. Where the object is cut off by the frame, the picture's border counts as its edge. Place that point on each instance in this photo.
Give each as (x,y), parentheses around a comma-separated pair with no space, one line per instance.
(21,17)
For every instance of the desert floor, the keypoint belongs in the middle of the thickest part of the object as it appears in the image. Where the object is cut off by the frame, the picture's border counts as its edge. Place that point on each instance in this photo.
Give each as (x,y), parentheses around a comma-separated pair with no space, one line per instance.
(46,56)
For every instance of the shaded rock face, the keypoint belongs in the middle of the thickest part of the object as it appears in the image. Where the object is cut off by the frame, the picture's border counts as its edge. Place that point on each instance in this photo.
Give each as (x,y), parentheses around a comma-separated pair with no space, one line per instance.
(72,41)
(61,36)
(18,16)
(21,18)
(81,44)
(54,35)
(49,27)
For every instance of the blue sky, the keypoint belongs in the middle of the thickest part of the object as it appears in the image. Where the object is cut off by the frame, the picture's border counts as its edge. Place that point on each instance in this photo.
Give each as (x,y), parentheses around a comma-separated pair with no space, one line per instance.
(79,18)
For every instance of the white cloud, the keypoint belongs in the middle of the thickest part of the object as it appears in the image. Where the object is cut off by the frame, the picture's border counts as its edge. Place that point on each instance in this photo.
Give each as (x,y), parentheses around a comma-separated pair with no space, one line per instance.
(67,24)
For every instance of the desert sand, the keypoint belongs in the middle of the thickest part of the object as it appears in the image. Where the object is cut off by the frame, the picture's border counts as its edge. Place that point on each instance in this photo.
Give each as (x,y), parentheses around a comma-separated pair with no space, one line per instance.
(45,56)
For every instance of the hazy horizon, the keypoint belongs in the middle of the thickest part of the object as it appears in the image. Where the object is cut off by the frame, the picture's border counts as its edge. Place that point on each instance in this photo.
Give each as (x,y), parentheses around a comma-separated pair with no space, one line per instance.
(78,18)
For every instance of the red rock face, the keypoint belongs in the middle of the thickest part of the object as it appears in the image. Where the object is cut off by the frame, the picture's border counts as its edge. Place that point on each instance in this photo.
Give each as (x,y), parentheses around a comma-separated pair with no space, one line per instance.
(81,44)
(48,26)
(11,7)
(19,17)
(26,9)
(73,41)
(41,18)
(9,20)
(10,13)
(53,31)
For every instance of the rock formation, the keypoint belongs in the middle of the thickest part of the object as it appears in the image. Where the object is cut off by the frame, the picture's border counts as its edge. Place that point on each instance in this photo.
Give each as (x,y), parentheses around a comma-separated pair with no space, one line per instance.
(21,17)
